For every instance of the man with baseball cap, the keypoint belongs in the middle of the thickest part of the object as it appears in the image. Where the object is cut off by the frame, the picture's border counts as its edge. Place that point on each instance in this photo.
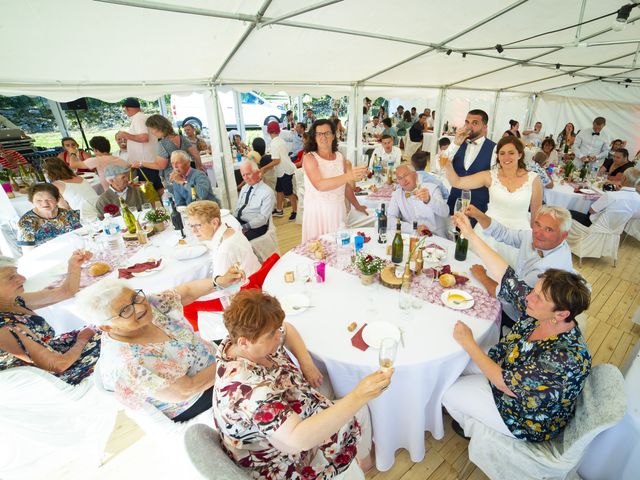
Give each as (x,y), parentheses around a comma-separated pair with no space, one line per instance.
(119,187)
(141,146)
(284,169)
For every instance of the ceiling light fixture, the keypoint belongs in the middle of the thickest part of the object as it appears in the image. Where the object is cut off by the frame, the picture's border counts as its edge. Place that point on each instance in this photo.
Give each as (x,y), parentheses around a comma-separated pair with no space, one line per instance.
(557,66)
(464,55)
(449,52)
(623,15)
(499,48)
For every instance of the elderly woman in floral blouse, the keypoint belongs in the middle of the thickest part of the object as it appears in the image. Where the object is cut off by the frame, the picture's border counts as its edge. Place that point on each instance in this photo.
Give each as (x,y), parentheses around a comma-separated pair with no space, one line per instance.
(149,351)
(271,418)
(528,384)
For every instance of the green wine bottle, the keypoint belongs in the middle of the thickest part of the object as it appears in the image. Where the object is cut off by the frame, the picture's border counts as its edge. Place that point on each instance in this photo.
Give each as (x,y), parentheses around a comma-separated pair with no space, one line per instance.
(462,245)
(127,216)
(397,246)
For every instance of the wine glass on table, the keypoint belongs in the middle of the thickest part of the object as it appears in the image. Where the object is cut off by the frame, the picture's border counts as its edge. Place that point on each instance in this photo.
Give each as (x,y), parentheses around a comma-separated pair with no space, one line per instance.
(387,353)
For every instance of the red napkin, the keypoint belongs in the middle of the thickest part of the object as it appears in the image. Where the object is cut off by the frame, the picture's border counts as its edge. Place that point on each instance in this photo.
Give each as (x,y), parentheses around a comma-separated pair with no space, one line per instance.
(137,268)
(357,340)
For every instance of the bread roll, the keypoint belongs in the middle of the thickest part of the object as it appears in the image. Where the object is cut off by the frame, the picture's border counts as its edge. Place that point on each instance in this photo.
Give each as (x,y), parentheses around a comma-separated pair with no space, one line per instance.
(98,269)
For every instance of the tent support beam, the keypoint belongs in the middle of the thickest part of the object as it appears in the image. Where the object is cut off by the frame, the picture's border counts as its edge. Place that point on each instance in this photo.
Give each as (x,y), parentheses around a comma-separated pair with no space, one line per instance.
(580,19)
(60,117)
(438,127)
(492,122)
(240,42)
(573,72)
(237,105)
(295,13)
(588,37)
(585,82)
(635,58)
(452,37)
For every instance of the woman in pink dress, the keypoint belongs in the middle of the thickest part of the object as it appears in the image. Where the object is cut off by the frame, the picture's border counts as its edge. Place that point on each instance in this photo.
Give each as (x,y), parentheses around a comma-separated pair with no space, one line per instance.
(328,179)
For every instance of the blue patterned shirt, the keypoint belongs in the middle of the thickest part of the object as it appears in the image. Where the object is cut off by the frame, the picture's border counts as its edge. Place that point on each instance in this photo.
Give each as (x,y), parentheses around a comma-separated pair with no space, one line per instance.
(546,376)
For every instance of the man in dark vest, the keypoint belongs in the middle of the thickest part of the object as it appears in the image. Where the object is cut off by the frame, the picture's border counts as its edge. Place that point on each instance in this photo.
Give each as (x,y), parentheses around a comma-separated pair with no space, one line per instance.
(472,152)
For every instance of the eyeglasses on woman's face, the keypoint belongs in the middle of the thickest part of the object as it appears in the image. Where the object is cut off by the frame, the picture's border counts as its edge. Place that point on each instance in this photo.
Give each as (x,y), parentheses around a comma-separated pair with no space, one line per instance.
(137,298)
(324,134)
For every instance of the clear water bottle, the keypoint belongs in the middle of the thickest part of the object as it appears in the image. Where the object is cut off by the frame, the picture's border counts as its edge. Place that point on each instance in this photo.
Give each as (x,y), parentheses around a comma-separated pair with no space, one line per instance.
(112,232)
(166,200)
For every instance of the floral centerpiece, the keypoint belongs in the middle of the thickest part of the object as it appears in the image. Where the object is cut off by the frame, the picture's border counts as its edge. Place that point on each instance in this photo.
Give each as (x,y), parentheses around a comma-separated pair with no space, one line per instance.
(157,217)
(568,168)
(368,265)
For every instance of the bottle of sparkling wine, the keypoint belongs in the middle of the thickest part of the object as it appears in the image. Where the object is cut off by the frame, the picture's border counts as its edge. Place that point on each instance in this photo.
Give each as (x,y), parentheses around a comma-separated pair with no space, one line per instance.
(382,225)
(413,239)
(397,246)
(462,244)
(176,218)
(194,193)
(127,216)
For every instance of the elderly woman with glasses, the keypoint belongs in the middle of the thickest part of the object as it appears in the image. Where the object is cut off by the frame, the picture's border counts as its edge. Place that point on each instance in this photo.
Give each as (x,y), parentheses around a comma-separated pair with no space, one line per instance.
(270,416)
(149,351)
(227,246)
(328,181)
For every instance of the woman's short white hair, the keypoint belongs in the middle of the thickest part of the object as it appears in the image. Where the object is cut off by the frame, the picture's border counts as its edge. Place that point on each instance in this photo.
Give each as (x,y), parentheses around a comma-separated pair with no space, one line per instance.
(94,302)
(561,215)
(7,262)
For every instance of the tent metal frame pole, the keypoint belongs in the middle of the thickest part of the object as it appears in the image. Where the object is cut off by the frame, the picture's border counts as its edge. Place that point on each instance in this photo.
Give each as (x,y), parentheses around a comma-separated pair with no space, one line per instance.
(635,57)
(441,100)
(358,127)
(295,13)
(162,105)
(59,116)
(224,148)
(450,38)
(578,84)
(237,105)
(178,9)
(494,114)
(580,18)
(352,122)
(531,110)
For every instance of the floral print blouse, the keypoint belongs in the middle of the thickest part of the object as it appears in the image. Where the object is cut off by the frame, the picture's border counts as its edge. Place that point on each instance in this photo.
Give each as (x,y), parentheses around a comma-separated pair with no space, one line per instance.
(44,335)
(135,372)
(547,375)
(34,230)
(250,403)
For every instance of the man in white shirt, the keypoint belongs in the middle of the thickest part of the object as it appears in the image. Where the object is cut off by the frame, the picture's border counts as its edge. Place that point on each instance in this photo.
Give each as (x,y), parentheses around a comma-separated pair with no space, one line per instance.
(141,146)
(534,136)
(399,113)
(284,169)
(428,126)
(625,200)
(122,153)
(373,128)
(387,152)
(424,205)
(539,249)
(591,145)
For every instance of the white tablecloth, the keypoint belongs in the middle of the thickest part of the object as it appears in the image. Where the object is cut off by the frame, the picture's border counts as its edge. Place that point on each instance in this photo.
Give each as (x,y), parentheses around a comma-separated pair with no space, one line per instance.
(45,263)
(430,362)
(564,196)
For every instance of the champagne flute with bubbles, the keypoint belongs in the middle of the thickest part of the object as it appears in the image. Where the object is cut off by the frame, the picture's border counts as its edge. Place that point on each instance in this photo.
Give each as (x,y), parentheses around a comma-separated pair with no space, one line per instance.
(465,196)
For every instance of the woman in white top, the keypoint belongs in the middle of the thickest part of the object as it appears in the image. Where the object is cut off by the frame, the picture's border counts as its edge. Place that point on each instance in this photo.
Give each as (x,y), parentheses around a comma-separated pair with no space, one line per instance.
(513,192)
(76,192)
(328,177)
(227,246)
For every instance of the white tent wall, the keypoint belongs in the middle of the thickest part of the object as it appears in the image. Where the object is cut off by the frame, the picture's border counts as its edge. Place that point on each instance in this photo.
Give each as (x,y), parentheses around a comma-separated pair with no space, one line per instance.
(623,119)
(511,106)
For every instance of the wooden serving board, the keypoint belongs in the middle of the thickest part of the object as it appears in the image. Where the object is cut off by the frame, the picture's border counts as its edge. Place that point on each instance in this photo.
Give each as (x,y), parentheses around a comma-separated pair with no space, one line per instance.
(388,277)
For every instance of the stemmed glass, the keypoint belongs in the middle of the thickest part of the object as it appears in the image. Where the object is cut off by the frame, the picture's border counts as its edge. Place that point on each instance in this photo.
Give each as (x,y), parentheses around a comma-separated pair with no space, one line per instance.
(387,353)
(465,196)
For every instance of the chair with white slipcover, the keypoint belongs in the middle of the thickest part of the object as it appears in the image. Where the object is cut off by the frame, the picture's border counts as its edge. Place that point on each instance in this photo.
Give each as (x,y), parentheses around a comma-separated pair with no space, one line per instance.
(47,423)
(410,147)
(266,245)
(601,239)
(202,444)
(601,405)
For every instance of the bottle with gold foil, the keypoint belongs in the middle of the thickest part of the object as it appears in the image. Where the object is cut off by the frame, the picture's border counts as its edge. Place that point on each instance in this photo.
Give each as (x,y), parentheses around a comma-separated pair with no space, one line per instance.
(142,235)
(127,216)
(194,193)
(419,263)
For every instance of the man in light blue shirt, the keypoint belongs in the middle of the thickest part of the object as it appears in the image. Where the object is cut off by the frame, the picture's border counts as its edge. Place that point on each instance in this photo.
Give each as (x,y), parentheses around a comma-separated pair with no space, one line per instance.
(255,202)
(183,177)
(297,142)
(419,162)
(542,248)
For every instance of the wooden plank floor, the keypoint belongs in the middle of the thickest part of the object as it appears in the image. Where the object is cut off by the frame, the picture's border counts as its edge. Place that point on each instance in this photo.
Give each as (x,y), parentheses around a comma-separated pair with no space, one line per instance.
(609,331)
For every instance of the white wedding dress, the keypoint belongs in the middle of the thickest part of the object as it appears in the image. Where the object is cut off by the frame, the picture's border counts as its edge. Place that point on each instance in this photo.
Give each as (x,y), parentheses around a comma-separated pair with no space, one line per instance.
(511,209)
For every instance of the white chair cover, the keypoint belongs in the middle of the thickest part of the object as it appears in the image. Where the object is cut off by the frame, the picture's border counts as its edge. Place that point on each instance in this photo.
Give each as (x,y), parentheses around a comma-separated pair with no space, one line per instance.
(46,423)
(267,244)
(601,239)
(211,326)
(409,148)
(202,445)
(601,405)
(633,228)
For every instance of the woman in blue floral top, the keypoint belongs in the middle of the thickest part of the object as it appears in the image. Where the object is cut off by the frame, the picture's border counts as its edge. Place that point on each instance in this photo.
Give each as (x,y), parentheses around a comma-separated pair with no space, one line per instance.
(46,220)
(26,339)
(270,416)
(537,371)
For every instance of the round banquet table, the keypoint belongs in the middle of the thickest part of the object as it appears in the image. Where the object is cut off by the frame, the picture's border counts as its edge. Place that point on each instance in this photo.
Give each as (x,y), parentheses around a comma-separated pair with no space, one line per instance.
(564,196)
(47,263)
(426,366)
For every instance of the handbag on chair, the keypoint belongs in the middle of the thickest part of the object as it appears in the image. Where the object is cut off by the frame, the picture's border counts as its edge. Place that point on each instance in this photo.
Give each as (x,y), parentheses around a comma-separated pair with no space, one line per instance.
(147,188)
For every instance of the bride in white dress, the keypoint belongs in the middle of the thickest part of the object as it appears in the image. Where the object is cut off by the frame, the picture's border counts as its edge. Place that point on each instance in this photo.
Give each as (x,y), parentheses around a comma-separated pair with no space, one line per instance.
(513,191)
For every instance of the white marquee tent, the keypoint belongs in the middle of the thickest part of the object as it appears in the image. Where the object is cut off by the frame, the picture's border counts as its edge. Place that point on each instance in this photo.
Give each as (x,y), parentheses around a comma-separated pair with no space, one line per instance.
(425,52)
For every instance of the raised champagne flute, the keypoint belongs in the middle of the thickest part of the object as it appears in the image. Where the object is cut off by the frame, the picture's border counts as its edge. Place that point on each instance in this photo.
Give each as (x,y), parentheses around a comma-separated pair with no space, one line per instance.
(387,353)
(465,196)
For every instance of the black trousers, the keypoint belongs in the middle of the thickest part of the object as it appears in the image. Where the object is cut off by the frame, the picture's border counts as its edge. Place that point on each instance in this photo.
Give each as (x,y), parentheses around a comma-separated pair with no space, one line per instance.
(254,232)
(202,405)
(580,217)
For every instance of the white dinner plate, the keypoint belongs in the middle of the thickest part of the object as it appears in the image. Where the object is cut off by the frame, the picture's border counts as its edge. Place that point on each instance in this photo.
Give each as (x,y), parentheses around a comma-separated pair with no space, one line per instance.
(188,252)
(375,332)
(294,303)
(588,191)
(447,298)
(151,271)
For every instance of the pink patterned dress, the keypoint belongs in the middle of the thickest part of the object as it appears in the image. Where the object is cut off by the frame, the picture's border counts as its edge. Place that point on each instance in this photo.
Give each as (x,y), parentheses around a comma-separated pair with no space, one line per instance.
(324,212)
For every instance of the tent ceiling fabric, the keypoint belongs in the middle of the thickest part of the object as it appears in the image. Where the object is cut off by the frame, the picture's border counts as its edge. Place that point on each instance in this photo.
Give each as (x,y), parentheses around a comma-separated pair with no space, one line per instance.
(146,48)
